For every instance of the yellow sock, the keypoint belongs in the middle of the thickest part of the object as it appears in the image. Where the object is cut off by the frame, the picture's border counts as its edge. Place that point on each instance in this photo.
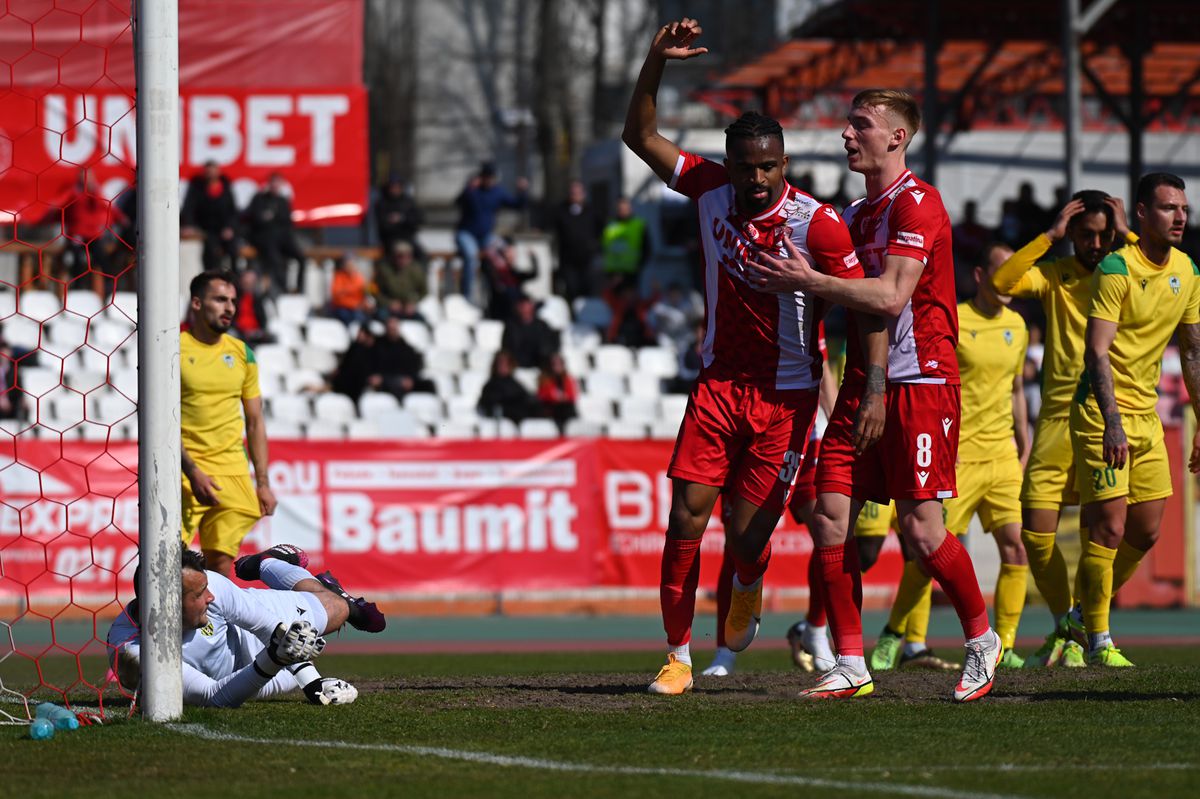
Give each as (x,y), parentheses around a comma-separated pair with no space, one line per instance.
(1010,601)
(1049,570)
(908,594)
(1083,544)
(918,620)
(1125,564)
(1097,568)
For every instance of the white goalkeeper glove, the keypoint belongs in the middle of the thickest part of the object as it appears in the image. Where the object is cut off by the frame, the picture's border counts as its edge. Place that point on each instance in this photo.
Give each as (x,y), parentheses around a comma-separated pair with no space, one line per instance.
(289,645)
(330,691)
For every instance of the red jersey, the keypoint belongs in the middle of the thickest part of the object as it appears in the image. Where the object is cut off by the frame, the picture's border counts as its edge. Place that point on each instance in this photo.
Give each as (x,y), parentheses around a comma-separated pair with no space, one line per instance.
(908,219)
(768,340)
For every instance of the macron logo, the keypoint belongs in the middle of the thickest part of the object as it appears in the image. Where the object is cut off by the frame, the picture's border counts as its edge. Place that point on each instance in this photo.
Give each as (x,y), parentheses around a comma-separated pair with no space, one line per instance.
(832,214)
(922,476)
(946,422)
(918,196)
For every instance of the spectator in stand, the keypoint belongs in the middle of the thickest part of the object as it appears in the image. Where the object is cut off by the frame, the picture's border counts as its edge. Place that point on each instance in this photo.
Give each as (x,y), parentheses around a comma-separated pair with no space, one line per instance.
(358,362)
(400,282)
(1032,218)
(269,218)
(396,365)
(528,339)
(209,209)
(87,222)
(478,204)
(577,229)
(250,313)
(348,298)
(625,246)
(12,399)
(397,217)
(630,316)
(504,280)
(691,361)
(557,392)
(503,395)
(970,238)
(676,313)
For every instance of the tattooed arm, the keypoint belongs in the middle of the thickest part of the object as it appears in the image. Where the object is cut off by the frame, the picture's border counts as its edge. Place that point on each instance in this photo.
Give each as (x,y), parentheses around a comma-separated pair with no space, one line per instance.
(1189,357)
(1100,335)
(868,426)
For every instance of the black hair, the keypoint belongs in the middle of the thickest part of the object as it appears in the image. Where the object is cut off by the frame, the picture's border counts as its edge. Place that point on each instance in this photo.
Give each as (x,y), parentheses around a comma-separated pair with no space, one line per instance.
(1094,201)
(1152,180)
(188,559)
(753,125)
(199,285)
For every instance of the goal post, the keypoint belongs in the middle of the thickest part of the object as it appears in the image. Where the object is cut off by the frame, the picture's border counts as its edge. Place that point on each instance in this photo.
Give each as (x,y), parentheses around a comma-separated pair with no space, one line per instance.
(156,48)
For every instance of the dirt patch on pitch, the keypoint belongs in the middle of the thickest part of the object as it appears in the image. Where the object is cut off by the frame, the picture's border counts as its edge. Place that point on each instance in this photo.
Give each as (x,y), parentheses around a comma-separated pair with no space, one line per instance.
(620,691)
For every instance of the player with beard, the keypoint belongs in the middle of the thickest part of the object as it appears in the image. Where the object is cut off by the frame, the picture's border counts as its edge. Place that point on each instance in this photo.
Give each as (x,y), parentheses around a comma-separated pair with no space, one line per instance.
(218,384)
(750,411)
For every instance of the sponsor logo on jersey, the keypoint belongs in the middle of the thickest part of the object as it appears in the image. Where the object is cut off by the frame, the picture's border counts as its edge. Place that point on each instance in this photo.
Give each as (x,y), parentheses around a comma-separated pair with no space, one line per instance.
(1174,281)
(922,476)
(932,364)
(300,611)
(1008,337)
(1144,284)
(207,630)
(946,422)
(228,359)
(751,230)
(917,195)
(851,260)
(911,239)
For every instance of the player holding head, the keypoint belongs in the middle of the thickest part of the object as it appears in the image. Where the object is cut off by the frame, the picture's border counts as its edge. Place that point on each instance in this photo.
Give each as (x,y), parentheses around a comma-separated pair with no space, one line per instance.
(1141,295)
(239,642)
(218,385)
(751,408)
(902,234)
(1091,221)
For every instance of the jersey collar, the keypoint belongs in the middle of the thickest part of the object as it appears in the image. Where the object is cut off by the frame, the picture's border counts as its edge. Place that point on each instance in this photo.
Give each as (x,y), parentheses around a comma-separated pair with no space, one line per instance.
(891,190)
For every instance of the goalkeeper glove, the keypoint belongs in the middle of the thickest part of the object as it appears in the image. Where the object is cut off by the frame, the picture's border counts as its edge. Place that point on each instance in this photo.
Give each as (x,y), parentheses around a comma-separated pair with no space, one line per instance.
(330,691)
(289,645)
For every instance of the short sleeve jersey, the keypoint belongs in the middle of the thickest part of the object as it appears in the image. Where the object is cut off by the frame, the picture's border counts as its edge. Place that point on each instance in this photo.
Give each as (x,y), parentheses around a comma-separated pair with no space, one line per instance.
(214,380)
(991,353)
(763,339)
(1147,302)
(908,219)
(1064,287)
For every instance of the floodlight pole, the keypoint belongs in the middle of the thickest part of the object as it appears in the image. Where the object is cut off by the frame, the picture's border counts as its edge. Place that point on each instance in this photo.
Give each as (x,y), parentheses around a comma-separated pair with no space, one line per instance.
(156,45)
(1074,25)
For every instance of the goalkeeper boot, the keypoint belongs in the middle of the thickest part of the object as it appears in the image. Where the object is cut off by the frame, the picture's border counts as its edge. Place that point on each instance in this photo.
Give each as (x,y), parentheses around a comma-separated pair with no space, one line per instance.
(1073,657)
(249,567)
(979,670)
(1049,654)
(886,653)
(745,610)
(364,615)
(674,678)
(1011,660)
(843,681)
(724,663)
(928,660)
(1110,656)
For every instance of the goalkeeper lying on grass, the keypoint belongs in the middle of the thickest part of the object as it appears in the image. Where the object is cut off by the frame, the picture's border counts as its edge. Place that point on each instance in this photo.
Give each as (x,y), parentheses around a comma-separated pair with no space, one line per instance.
(248,643)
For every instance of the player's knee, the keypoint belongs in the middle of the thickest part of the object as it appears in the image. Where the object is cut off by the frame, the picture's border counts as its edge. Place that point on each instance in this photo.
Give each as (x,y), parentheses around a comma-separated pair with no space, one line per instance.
(827,529)
(685,523)
(337,612)
(868,551)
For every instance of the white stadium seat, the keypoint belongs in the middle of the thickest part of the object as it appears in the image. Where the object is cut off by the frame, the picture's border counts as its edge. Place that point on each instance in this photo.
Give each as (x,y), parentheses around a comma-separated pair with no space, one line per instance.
(438,359)
(373,403)
(416,334)
(555,312)
(462,407)
(37,380)
(274,358)
(538,429)
(658,361)
(126,302)
(84,303)
(613,358)
(594,408)
(300,381)
(576,361)
(458,309)
(362,430)
(488,334)
(284,429)
(604,384)
(325,430)
(290,408)
(672,407)
(293,308)
(528,378)
(497,428)
(334,408)
(319,359)
(452,336)
(20,331)
(327,334)
(625,430)
(645,386)
(430,308)
(664,429)
(457,429)
(638,409)
(426,407)
(39,305)
(582,337)
(480,360)
(400,424)
(582,428)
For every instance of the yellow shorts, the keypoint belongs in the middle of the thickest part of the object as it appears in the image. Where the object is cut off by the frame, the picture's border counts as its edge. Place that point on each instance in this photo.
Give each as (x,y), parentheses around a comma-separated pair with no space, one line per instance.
(1146,475)
(874,520)
(1050,473)
(222,527)
(989,488)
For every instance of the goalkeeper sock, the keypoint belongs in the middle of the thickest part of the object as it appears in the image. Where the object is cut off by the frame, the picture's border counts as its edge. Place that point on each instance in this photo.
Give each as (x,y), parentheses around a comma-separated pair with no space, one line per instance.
(1049,570)
(282,576)
(1125,564)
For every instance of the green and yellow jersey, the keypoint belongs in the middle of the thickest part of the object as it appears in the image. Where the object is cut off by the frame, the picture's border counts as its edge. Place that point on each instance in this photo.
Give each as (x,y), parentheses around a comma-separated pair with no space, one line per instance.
(991,354)
(1147,302)
(214,380)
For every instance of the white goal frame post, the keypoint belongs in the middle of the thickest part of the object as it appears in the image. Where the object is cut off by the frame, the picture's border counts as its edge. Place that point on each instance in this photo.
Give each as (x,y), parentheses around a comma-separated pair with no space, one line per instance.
(156,55)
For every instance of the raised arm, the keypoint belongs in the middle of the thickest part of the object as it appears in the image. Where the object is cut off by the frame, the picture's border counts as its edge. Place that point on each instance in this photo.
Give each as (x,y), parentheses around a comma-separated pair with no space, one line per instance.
(672,42)
(1099,339)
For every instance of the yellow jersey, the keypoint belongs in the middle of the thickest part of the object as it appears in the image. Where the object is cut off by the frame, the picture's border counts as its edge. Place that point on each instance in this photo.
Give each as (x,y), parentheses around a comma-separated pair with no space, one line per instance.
(1064,288)
(991,354)
(1147,302)
(214,380)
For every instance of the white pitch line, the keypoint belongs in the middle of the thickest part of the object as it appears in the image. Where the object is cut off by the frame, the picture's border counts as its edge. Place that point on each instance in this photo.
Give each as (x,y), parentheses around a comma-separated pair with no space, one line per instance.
(749,777)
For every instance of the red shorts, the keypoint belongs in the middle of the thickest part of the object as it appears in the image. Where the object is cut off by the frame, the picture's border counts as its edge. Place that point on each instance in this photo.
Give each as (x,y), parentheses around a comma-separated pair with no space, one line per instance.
(748,439)
(806,482)
(913,460)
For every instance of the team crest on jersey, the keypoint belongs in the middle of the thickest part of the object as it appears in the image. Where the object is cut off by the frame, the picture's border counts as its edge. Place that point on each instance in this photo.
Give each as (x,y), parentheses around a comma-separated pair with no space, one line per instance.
(1144,281)
(207,630)
(750,230)
(1174,281)
(972,332)
(1008,337)
(228,359)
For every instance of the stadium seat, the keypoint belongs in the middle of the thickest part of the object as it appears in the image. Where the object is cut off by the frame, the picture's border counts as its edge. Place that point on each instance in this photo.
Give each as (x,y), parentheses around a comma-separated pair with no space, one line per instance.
(270,384)
(39,305)
(293,308)
(470,384)
(658,361)
(8,302)
(400,424)
(488,334)
(605,384)
(538,429)
(425,407)
(528,377)
(326,334)
(593,408)
(319,359)
(582,337)
(300,381)
(480,360)
(362,430)
(582,428)
(87,359)
(613,358)
(593,312)
(457,429)
(445,383)
(644,410)
(126,302)
(93,431)
(125,431)
(430,308)
(462,407)
(672,407)
(645,386)
(274,358)
(283,429)
(325,430)
(416,334)
(108,335)
(63,335)
(497,428)
(290,408)
(577,361)
(555,312)
(664,429)
(335,408)
(108,407)
(286,334)
(454,336)
(125,381)
(458,309)
(61,408)
(84,303)
(625,430)
(438,359)
(35,380)
(22,332)
(373,403)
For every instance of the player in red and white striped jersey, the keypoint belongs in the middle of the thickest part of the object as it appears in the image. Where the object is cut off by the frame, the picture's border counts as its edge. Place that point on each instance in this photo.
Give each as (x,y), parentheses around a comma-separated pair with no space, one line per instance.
(749,414)
(902,234)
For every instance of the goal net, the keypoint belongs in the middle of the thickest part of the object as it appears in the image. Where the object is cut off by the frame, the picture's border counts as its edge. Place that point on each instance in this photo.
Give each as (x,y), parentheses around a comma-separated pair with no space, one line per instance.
(68,348)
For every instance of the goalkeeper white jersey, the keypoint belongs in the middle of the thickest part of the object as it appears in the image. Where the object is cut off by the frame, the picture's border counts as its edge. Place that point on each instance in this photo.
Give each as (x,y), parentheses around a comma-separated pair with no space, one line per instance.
(240,623)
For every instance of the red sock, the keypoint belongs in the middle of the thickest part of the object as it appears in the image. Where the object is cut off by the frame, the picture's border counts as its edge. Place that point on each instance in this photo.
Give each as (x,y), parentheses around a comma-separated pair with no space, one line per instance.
(724,594)
(816,597)
(841,580)
(677,588)
(748,573)
(951,566)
